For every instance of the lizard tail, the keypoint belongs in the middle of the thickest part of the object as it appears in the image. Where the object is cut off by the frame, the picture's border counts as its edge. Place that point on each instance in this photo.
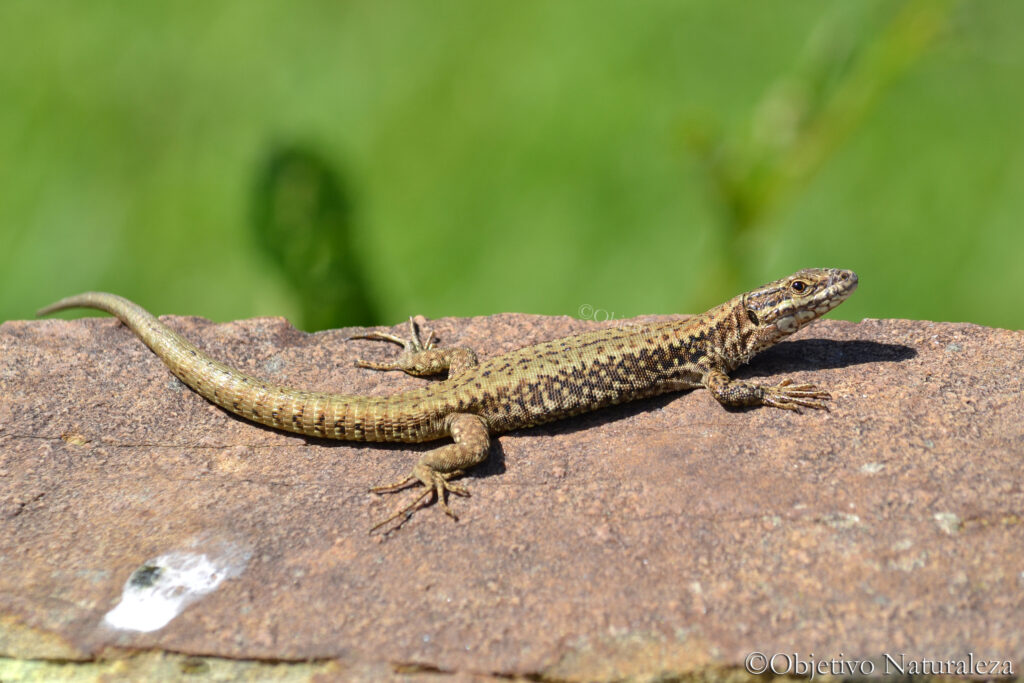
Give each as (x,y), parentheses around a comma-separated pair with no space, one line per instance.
(333,416)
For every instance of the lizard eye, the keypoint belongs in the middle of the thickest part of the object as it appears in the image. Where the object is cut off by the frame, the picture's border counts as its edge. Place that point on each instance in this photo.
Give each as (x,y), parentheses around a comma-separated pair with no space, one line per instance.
(799,286)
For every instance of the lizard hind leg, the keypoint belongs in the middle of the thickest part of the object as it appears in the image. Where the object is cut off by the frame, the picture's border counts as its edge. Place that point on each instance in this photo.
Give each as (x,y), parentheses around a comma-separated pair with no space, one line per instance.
(411,346)
(438,467)
(419,358)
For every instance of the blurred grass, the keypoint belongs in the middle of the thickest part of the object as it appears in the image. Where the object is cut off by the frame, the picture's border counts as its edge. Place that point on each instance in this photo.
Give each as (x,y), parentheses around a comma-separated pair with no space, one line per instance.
(504,156)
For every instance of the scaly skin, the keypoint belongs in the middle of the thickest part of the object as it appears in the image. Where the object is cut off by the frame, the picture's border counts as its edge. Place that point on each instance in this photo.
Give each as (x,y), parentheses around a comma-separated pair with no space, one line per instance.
(529,386)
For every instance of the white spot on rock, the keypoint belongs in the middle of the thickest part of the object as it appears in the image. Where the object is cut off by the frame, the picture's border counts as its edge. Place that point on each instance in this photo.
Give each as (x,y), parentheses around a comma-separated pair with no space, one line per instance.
(949,522)
(162,587)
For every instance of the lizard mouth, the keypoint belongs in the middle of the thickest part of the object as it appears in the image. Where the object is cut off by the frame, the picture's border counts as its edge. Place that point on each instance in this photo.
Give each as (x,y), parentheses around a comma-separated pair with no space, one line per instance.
(839,286)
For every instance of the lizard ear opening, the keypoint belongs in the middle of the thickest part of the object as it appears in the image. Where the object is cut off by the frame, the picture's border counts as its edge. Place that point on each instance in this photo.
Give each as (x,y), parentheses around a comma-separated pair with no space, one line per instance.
(753,317)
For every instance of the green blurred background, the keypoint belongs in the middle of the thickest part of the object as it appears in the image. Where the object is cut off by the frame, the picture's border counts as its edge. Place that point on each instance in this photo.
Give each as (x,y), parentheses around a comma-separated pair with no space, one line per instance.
(357,162)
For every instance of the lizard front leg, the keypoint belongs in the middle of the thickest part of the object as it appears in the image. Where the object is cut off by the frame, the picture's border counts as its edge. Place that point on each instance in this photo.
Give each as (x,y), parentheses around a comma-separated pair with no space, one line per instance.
(438,467)
(420,358)
(785,394)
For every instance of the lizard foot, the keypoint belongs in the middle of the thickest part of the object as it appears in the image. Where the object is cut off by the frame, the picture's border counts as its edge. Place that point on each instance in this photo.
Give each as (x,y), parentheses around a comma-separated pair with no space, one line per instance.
(412,346)
(791,396)
(435,484)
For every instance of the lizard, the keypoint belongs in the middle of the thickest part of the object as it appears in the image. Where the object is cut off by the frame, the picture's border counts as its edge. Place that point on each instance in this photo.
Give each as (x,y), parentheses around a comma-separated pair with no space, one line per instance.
(522,388)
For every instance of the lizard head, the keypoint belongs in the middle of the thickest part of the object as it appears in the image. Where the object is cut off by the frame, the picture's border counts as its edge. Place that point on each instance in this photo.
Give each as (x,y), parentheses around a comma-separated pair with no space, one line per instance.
(780,308)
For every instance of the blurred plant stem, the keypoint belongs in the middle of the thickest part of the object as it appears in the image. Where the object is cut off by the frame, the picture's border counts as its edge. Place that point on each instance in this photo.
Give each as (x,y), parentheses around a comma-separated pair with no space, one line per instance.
(804,118)
(302,221)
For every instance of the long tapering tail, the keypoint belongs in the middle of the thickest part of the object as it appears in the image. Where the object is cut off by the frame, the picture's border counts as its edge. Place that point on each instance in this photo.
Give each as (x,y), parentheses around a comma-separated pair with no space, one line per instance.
(336,416)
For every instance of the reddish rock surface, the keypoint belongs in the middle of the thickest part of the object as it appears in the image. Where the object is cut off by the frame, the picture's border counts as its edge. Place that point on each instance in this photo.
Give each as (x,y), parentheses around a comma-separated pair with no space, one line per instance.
(666,536)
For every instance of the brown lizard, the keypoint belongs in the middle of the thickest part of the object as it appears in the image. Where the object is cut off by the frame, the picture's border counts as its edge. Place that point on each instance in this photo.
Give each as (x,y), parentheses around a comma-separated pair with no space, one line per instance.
(526,387)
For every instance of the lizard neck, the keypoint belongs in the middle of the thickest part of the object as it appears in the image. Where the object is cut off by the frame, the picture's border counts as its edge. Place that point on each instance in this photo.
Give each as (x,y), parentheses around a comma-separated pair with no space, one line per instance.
(731,332)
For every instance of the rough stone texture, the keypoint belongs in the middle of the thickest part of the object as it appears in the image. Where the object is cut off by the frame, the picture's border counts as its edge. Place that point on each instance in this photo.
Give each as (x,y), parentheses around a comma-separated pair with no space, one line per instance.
(668,536)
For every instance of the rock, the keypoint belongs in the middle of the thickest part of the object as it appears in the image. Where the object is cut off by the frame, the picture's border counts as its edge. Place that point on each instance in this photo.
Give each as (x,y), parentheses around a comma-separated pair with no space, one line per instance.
(665,537)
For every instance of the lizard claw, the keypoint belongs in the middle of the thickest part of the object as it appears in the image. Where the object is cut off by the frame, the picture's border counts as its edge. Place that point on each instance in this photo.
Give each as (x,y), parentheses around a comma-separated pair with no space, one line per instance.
(791,396)
(411,346)
(435,484)
(414,342)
